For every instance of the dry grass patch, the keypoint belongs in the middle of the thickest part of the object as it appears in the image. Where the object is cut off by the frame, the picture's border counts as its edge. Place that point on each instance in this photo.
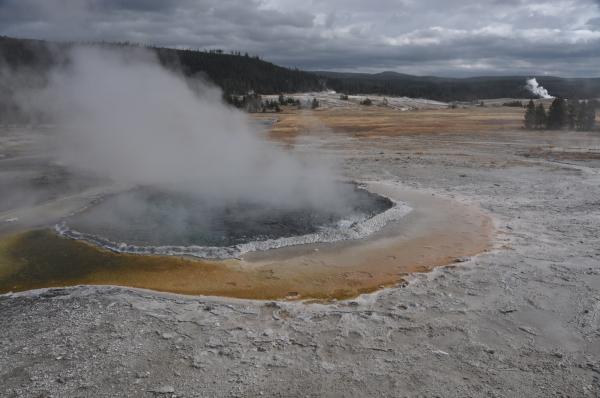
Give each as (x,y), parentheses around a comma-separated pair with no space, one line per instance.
(378,121)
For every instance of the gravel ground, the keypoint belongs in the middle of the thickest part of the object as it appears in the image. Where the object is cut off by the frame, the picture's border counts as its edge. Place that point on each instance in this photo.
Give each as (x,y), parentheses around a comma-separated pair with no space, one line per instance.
(521,320)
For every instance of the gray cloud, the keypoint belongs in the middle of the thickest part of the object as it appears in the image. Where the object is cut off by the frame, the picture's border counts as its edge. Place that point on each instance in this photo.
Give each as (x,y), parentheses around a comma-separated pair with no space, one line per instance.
(422,37)
(593,23)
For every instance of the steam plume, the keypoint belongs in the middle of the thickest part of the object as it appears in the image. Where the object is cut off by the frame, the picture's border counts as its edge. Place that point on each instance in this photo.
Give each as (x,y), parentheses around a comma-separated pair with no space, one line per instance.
(122,115)
(534,87)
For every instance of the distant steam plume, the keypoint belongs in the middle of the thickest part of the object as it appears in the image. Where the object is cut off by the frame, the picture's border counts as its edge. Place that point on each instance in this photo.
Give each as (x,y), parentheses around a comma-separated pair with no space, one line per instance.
(534,87)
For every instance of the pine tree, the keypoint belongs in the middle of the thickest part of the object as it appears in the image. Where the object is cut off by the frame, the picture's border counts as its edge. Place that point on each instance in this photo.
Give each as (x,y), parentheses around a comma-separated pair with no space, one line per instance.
(557,114)
(586,116)
(572,108)
(592,106)
(580,119)
(530,115)
(540,116)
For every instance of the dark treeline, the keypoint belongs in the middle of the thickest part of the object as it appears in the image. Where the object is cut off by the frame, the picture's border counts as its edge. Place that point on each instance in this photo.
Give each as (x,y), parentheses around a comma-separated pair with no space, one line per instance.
(562,114)
(240,74)
(234,72)
(455,89)
(25,64)
(254,103)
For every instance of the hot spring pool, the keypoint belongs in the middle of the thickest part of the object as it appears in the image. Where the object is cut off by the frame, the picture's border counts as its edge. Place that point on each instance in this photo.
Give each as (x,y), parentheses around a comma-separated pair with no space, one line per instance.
(150,221)
(436,232)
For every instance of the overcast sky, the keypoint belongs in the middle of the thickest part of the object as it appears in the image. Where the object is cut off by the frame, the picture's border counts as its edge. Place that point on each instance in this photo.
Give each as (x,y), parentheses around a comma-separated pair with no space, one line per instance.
(441,37)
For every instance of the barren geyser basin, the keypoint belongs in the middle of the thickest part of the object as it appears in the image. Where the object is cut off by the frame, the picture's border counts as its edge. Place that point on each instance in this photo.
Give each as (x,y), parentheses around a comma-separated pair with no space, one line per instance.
(199,201)
(303,199)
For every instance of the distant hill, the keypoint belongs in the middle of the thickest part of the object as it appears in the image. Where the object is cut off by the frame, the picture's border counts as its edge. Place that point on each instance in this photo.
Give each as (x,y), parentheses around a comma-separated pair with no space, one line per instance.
(457,89)
(238,74)
(235,74)
(29,61)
